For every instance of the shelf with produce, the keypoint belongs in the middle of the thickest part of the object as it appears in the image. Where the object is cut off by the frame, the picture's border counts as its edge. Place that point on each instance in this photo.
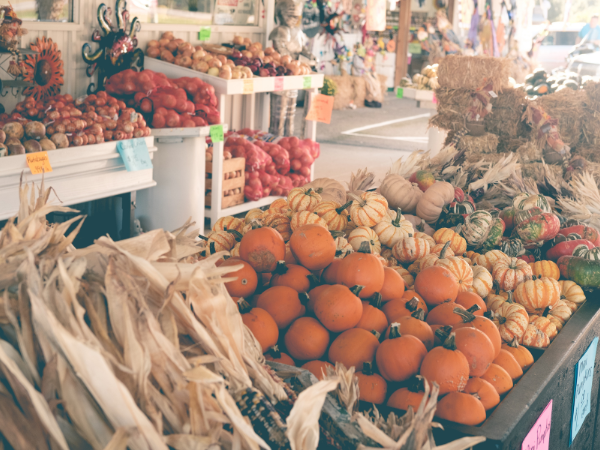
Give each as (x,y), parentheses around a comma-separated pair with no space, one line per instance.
(79,174)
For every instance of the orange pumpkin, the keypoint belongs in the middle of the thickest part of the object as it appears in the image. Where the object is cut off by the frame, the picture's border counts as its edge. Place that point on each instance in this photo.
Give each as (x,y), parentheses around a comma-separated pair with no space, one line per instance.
(282,303)
(317,368)
(393,285)
(373,318)
(279,222)
(415,325)
(437,285)
(509,363)
(404,306)
(289,257)
(446,366)
(306,339)
(313,295)
(275,355)
(521,354)
(372,387)
(292,275)
(262,325)
(262,248)
(245,281)
(475,345)
(313,247)
(330,273)
(483,391)
(461,408)
(499,378)
(338,308)
(400,357)
(410,396)
(353,347)
(468,299)
(362,269)
(445,314)
(483,324)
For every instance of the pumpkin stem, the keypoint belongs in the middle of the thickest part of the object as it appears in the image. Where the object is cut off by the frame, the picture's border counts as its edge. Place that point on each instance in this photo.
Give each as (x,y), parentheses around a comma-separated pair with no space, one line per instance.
(514,343)
(476,395)
(465,315)
(458,228)
(510,298)
(410,235)
(376,300)
(394,331)
(501,320)
(496,287)
(450,343)
(226,257)
(313,279)
(309,191)
(356,289)
(443,252)
(443,332)
(304,298)
(546,311)
(274,352)
(367,368)
(416,384)
(338,253)
(212,248)
(419,314)
(243,306)
(281,268)
(319,190)
(474,308)
(238,236)
(336,234)
(204,238)
(412,304)
(396,221)
(376,333)
(489,315)
(420,227)
(364,247)
(343,207)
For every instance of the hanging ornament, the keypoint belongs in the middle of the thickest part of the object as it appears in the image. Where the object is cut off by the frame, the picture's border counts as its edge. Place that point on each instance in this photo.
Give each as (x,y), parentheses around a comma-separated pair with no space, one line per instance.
(45,69)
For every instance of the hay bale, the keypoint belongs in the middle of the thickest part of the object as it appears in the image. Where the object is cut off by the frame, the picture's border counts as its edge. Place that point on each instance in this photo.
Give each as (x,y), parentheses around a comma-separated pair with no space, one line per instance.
(488,143)
(566,106)
(489,157)
(344,94)
(529,152)
(591,109)
(510,144)
(535,171)
(474,72)
(452,106)
(590,152)
(360,91)
(507,110)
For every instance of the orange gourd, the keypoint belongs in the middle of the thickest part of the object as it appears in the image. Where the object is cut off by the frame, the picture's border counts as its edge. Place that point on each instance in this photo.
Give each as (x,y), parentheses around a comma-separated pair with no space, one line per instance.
(399,357)
(275,355)
(330,273)
(372,387)
(410,396)
(364,269)
(509,363)
(306,339)
(338,308)
(317,368)
(444,314)
(499,378)
(475,345)
(393,285)
(521,354)
(353,347)
(461,408)
(313,246)
(484,391)
(483,324)
(262,248)
(446,366)
(313,296)
(468,299)
(283,303)
(246,279)
(415,325)
(436,285)
(294,276)
(261,324)
(373,318)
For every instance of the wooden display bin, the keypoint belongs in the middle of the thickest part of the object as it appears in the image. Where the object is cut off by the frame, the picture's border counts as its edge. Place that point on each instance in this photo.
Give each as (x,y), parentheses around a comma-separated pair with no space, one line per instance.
(232,168)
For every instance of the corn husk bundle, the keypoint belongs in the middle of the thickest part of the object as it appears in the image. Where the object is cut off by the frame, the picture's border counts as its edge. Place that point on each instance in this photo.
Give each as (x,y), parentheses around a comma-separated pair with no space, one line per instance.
(507,110)
(584,204)
(591,108)
(487,143)
(566,106)
(473,72)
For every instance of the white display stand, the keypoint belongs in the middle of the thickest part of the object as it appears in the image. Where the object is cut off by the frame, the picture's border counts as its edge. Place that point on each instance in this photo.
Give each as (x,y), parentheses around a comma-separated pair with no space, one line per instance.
(79,174)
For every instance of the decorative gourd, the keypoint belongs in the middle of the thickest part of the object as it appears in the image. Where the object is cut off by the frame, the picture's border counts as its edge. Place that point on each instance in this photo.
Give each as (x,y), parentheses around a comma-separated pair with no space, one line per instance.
(393,285)
(545,269)
(475,345)
(400,357)
(560,314)
(457,242)
(508,362)
(262,248)
(299,219)
(253,214)
(457,266)
(313,247)
(415,325)
(497,298)
(342,247)
(536,295)
(400,193)
(426,237)
(361,235)
(585,272)
(508,216)
(235,251)
(431,258)
(499,378)
(461,408)
(511,319)
(512,247)
(279,222)
(446,366)
(282,303)
(338,308)
(510,273)
(388,254)
(482,281)
(488,259)
(410,248)
(433,200)
(526,201)
(221,241)
(279,206)
(542,227)
(229,223)
(533,337)
(261,324)
(588,253)
(363,269)
(353,348)
(334,214)
(437,285)
(330,190)
(403,306)
(406,276)
(566,246)
(303,199)
(494,235)
(372,387)
(585,232)
(415,268)
(468,299)
(373,318)
(523,215)
(545,325)
(306,339)
(483,391)
(275,355)
(369,209)
(391,232)
(317,368)
(477,227)
(437,250)
(521,354)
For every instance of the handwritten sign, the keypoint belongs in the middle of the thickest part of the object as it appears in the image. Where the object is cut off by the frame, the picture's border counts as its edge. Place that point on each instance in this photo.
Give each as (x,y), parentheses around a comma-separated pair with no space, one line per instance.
(216,133)
(135,154)
(38,162)
(584,378)
(278,83)
(204,34)
(399,92)
(248,86)
(307,82)
(321,108)
(538,437)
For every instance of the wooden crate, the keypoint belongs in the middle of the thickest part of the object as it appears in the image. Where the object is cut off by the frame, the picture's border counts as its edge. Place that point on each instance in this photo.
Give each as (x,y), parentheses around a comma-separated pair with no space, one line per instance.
(229,166)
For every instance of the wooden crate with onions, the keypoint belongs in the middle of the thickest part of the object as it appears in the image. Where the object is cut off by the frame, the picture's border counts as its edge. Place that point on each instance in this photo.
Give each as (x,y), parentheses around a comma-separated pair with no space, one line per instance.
(234,179)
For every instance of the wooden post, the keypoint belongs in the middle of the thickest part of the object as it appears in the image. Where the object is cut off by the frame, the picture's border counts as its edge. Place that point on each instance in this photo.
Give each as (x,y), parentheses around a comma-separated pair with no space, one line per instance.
(451,11)
(402,42)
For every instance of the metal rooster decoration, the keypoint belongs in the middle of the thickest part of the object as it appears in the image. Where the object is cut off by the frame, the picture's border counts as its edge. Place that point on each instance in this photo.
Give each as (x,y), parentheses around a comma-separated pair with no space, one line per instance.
(117,50)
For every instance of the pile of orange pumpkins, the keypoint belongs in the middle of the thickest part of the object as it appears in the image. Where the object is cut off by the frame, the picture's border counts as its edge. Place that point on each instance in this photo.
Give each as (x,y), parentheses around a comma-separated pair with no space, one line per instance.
(324,282)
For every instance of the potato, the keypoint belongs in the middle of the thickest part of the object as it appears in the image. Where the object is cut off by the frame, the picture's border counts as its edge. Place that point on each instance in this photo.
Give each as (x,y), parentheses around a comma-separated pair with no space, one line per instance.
(11,141)
(35,130)
(47,144)
(32,146)
(2,137)
(14,129)
(16,149)
(60,140)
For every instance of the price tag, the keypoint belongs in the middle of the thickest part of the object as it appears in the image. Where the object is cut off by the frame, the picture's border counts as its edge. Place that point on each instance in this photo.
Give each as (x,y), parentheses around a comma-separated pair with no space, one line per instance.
(582,392)
(248,86)
(538,437)
(414,48)
(321,107)
(204,34)
(135,154)
(399,92)
(216,133)
(307,82)
(38,162)
(435,99)
(278,83)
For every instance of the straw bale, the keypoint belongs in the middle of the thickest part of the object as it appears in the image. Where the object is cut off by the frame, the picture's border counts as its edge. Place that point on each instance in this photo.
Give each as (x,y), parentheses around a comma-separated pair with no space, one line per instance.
(344,93)
(590,152)
(452,106)
(529,152)
(474,72)
(507,110)
(535,170)
(488,143)
(360,91)
(567,107)
(510,144)
(489,157)
(591,110)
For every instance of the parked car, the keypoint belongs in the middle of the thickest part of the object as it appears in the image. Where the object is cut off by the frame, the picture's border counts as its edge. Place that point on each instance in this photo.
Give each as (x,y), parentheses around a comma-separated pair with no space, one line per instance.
(586,65)
(557,45)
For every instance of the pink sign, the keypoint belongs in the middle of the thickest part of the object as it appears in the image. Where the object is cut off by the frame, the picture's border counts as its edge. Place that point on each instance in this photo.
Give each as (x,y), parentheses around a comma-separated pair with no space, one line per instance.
(434,98)
(538,437)
(279,83)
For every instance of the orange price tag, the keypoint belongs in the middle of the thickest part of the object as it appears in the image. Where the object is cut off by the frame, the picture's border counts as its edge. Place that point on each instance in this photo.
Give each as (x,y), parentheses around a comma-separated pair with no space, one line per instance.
(248,86)
(38,162)
(321,108)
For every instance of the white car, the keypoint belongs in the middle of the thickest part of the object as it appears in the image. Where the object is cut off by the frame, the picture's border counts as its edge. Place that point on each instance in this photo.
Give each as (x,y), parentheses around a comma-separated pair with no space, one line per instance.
(586,65)
(555,47)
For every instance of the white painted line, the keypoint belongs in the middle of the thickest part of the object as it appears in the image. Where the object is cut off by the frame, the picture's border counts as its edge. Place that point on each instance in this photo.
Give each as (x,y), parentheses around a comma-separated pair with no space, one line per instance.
(394,138)
(389,122)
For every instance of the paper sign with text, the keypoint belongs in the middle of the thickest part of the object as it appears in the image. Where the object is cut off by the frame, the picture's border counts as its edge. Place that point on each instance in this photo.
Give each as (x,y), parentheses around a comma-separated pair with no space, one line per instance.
(399,92)
(307,82)
(248,86)
(135,154)
(582,392)
(538,437)
(38,162)
(278,83)
(321,108)
(216,133)
(204,34)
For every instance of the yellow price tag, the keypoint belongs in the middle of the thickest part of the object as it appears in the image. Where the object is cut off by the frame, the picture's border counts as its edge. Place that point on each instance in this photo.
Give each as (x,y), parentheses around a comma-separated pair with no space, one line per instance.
(248,86)
(38,162)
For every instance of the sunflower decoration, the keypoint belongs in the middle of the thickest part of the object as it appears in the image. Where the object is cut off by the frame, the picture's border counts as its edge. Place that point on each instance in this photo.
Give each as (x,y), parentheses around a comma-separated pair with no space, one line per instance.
(44,69)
